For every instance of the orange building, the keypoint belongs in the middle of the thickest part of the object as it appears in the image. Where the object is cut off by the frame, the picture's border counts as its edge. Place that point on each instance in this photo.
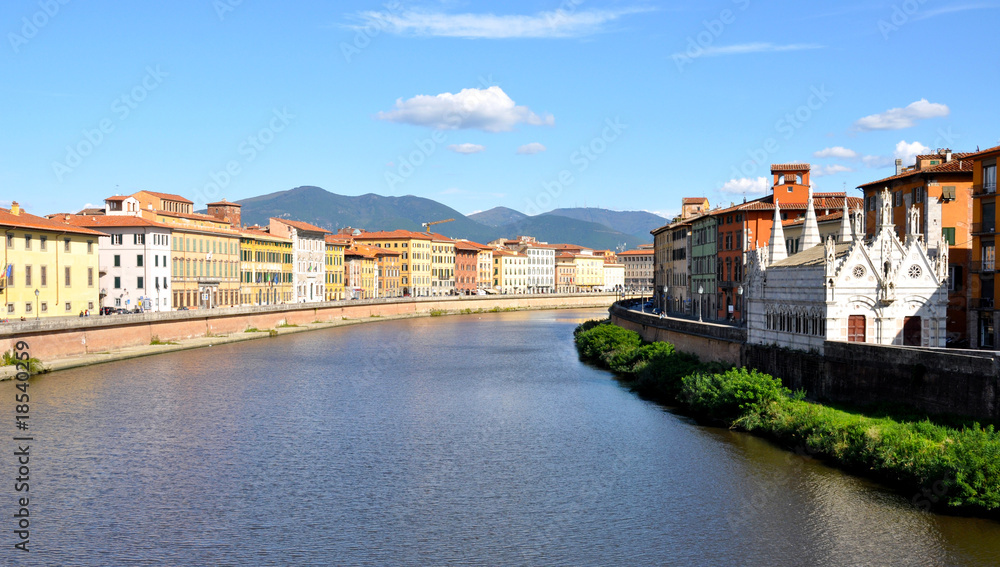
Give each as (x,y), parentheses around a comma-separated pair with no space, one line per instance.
(983,316)
(466,267)
(940,186)
(747,226)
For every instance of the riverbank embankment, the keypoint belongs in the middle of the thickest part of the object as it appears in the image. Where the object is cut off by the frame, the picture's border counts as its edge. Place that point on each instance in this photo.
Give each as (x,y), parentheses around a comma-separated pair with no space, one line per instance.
(70,342)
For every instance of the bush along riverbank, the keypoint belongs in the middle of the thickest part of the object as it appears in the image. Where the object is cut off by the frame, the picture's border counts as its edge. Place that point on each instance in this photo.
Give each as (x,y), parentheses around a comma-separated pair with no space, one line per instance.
(948,469)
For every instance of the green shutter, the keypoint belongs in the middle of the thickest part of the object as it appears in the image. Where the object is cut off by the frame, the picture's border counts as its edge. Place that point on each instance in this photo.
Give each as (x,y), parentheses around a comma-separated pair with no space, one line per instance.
(949,234)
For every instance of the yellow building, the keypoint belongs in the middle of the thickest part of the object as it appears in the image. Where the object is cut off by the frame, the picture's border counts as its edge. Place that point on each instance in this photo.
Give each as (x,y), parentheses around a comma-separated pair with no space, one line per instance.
(49,268)
(589,272)
(388,272)
(442,265)
(415,257)
(510,271)
(266,268)
(335,246)
(360,272)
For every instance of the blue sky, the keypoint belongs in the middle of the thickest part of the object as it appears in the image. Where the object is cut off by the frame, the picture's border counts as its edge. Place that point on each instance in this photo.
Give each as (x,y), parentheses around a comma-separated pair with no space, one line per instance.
(627,105)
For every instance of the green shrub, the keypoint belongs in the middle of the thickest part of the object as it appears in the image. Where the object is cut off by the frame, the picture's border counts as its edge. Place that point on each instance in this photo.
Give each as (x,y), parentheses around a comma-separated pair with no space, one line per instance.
(34,365)
(731,394)
(605,339)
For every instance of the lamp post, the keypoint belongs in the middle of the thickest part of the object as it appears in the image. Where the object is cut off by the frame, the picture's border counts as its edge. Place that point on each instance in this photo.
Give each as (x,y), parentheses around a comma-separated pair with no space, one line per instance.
(701,290)
(37,314)
(739,293)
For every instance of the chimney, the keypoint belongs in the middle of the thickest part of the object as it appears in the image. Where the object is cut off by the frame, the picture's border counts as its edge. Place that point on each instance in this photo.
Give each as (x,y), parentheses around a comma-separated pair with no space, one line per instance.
(15,209)
(899,166)
(947,155)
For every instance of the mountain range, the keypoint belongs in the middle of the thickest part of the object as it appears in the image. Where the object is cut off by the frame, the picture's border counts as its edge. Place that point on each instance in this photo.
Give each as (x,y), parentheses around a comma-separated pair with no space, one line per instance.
(591,227)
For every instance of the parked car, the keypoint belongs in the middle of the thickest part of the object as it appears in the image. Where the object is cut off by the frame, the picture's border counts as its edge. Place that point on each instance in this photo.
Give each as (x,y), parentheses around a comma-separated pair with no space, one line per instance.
(107,310)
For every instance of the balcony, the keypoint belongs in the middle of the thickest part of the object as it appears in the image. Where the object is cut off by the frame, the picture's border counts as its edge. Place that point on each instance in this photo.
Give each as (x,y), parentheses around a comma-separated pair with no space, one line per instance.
(984,190)
(983,267)
(983,228)
(981,303)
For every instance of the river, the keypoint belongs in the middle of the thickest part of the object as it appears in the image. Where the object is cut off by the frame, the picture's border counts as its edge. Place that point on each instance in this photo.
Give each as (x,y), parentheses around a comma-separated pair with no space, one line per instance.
(467,440)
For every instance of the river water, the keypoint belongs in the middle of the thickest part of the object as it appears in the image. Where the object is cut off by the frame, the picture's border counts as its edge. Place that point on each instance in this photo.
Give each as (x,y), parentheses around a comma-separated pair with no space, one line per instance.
(470,440)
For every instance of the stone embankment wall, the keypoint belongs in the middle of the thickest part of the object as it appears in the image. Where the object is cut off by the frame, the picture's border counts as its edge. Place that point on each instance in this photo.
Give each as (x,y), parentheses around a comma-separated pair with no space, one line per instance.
(709,341)
(56,338)
(936,381)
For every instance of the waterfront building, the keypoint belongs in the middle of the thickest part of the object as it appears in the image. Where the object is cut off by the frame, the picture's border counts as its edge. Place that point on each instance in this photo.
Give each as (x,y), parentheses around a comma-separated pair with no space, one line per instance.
(335,246)
(700,299)
(360,272)
(387,276)
(484,273)
(267,272)
(49,268)
(442,265)
(415,257)
(541,262)
(510,273)
(672,257)
(309,257)
(638,269)
(984,319)
(747,226)
(614,277)
(466,267)
(566,273)
(152,202)
(885,291)
(133,258)
(589,274)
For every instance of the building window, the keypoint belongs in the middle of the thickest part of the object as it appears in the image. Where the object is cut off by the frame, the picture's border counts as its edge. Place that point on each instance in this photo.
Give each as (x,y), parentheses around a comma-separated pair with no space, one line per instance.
(27,276)
(954,278)
(43,275)
(118,261)
(139,282)
(66,245)
(897,198)
(69,306)
(118,282)
(90,247)
(42,242)
(138,238)
(10,244)
(990,178)
(68,282)
(45,306)
(138,260)
(27,242)
(10,308)
(90,277)
(949,235)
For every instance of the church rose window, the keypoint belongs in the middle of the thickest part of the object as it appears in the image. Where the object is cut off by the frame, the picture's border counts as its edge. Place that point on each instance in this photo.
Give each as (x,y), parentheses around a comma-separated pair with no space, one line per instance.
(859,272)
(914,271)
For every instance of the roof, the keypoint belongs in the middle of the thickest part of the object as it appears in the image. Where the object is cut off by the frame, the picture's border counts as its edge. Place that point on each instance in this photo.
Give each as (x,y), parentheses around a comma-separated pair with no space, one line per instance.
(789,166)
(466,246)
(25,220)
(299,225)
(193,216)
(693,200)
(439,237)
(820,201)
(398,234)
(814,256)
(118,198)
(981,153)
(822,218)
(167,196)
(646,252)
(337,239)
(223,203)
(958,164)
(260,234)
(96,221)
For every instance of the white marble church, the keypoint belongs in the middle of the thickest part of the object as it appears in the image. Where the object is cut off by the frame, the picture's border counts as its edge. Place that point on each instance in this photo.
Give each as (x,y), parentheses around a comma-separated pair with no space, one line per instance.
(883,291)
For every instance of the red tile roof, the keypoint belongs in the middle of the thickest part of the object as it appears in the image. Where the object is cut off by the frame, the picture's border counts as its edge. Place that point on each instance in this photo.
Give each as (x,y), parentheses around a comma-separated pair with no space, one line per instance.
(399,234)
(97,221)
(956,165)
(25,220)
(789,166)
(118,198)
(300,225)
(693,200)
(224,203)
(982,153)
(167,196)
(636,253)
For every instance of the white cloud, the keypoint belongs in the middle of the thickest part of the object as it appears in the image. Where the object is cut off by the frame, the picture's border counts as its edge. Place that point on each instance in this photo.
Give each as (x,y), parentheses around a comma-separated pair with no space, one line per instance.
(554,24)
(877,161)
(909,152)
(746,185)
(899,118)
(823,170)
(466,148)
(837,152)
(532,148)
(483,109)
(745,48)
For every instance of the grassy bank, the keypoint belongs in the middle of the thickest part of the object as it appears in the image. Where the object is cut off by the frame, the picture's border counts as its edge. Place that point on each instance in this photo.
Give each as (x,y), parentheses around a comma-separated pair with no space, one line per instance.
(954,469)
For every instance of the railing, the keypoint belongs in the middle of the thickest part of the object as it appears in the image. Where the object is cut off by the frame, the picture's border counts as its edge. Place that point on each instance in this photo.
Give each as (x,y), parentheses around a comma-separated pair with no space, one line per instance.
(981,303)
(980,190)
(983,228)
(983,267)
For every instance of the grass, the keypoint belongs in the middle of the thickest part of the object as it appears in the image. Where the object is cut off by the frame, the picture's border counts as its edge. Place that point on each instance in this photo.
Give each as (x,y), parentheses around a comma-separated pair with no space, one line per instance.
(286,325)
(954,465)
(437,312)
(34,365)
(156,341)
(253,330)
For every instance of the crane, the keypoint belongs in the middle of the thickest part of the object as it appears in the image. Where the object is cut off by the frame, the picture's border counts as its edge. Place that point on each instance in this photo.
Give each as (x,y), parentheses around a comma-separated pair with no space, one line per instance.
(428,225)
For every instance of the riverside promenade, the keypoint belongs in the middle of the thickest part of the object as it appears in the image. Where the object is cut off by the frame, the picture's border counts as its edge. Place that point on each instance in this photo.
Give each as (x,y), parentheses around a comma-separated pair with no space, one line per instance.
(70,342)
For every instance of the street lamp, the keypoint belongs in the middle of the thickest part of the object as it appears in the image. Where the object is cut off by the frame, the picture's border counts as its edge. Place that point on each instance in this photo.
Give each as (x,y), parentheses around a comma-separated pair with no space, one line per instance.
(701,290)
(36,304)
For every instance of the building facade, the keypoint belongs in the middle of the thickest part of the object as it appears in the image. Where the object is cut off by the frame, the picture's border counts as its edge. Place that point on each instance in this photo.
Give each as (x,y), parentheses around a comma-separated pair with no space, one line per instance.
(701,297)
(415,257)
(267,268)
(309,257)
(335,246)
(638,270)
(442,265)
(984,319)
